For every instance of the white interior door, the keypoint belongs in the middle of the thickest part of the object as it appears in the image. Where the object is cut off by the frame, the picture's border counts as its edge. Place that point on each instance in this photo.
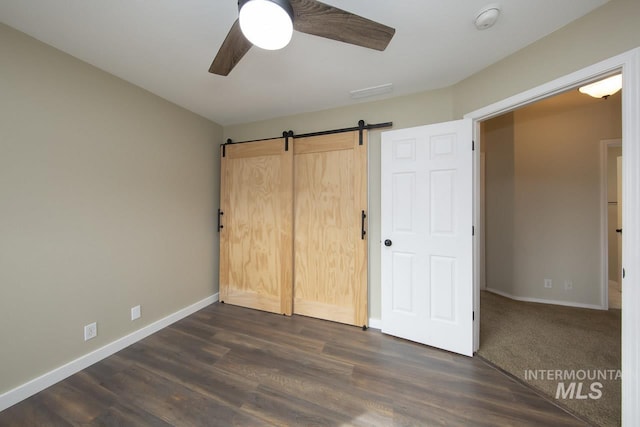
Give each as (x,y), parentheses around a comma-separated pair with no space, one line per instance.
(426,269)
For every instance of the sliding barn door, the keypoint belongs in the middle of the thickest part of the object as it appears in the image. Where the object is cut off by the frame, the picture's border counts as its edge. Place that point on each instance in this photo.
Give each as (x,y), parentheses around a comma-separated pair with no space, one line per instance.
(256,240)
(330,261)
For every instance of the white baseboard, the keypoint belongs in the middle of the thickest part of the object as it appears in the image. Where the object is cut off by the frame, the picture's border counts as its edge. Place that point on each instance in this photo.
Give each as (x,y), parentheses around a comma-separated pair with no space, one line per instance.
(375,323)
(546,301)
(36,385)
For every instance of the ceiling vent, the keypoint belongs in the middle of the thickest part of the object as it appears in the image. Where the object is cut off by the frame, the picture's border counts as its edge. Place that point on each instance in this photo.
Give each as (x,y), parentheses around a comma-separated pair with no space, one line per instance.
(371,91)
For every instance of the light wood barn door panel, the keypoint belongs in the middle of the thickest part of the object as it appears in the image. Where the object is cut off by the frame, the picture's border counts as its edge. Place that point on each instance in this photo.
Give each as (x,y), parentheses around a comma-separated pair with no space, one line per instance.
(256,239)
(330,251)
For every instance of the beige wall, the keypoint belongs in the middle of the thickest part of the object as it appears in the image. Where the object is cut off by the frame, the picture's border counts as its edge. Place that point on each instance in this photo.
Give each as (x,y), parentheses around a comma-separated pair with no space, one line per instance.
(107,200)
(607,31)
(543,210)
(414,110)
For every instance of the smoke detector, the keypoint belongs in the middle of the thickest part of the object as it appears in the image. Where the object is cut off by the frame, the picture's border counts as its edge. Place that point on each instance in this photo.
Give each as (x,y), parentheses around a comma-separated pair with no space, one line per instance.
(487,16)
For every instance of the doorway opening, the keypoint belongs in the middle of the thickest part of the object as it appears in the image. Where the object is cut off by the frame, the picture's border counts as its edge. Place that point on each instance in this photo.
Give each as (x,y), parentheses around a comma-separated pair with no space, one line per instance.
(544,251)
(629,63)
(547,197)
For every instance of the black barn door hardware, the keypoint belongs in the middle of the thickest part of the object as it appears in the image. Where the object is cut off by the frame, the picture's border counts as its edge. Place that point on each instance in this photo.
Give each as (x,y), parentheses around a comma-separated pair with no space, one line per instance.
(220,226)
(286,135)
(361,126)
(363,232)
(289,134)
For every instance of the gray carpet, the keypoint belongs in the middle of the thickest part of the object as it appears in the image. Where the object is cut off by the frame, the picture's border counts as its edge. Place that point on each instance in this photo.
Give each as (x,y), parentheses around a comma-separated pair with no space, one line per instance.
(520,337)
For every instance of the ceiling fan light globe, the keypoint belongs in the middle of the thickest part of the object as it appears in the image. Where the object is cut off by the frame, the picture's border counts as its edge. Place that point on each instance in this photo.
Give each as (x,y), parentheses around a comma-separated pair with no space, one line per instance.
(266,23)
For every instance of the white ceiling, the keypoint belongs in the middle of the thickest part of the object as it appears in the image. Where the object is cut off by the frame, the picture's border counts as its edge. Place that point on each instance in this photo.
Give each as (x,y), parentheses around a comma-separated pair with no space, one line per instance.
(166,47)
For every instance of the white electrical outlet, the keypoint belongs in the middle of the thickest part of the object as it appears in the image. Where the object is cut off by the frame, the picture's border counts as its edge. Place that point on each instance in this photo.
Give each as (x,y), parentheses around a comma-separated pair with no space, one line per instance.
(548,283)
(90,331)
(135,312)
(568,285)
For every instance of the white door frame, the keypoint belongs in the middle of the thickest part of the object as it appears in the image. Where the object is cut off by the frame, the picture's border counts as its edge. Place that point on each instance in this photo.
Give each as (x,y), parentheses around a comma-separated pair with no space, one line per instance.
(629,64)
(604,219)
(482,221)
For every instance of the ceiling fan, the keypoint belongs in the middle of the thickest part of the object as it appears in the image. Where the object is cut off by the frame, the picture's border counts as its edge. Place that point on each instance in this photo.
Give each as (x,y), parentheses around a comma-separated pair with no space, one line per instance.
(307,16)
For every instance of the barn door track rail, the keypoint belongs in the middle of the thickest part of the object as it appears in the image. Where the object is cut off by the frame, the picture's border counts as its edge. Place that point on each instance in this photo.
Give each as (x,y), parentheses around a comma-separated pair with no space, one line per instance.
(362,125)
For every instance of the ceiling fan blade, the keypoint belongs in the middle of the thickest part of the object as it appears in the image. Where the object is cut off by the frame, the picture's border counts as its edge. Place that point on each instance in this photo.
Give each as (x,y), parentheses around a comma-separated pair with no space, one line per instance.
(233,48)
(319,19)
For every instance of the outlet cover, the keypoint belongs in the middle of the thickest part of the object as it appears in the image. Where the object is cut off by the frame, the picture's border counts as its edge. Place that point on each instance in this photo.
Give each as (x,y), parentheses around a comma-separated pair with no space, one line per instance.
(135,312)
(90,331)
(548,283)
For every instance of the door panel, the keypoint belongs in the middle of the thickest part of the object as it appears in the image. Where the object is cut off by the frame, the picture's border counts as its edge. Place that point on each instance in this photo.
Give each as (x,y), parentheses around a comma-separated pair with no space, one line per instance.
(404,185)
(257,236)
(427,287)
(325,143)
(330,260)
(403,266)
(442,297)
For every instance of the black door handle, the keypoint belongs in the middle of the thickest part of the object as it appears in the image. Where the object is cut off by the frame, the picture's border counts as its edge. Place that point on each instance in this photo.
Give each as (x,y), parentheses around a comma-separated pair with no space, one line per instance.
(619,230)
(388,243)
(220,226)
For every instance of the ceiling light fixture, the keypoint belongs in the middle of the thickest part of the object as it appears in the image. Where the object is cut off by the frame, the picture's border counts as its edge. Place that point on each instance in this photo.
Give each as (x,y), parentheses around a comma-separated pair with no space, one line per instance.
(603,88)
(267,24)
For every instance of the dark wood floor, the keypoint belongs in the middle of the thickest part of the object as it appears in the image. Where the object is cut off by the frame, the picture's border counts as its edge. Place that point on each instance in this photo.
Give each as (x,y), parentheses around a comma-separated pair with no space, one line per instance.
(227,365)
